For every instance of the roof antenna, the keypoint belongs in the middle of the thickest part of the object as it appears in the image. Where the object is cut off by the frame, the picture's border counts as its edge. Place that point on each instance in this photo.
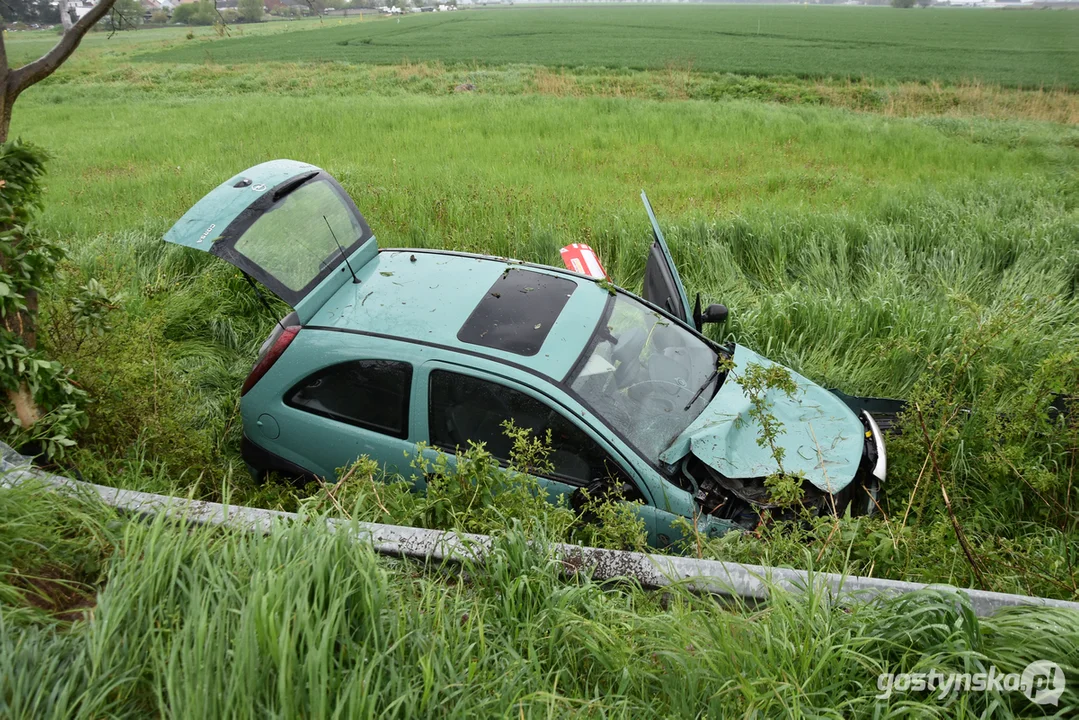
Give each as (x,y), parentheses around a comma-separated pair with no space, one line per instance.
(342,251)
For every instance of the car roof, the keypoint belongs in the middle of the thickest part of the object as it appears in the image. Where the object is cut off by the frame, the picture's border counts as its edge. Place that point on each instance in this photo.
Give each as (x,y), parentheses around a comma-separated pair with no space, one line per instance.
(428,296)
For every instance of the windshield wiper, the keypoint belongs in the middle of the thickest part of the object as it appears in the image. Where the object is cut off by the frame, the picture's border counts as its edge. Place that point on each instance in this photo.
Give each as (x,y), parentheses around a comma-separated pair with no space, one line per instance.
(292,184)
(707,382)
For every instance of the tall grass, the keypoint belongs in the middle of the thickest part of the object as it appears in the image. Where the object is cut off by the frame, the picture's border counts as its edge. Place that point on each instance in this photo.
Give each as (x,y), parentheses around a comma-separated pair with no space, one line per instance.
(202,622)
(52,553)
(102,71)
(511,173)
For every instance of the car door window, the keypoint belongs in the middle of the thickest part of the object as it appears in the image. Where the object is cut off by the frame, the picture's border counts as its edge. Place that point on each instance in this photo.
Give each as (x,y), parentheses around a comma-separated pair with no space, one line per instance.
(371,394)
(464,408)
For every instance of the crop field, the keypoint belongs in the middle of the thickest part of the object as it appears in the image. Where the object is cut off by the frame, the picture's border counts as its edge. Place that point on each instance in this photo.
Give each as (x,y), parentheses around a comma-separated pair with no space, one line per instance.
(894,236)
(1014,49)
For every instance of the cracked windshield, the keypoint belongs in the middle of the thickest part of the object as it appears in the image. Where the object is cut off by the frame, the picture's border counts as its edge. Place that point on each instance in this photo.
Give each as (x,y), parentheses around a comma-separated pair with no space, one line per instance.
(642,373)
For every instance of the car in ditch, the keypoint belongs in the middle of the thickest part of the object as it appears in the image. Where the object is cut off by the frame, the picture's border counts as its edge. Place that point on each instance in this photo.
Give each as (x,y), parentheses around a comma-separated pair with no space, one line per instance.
(389,348)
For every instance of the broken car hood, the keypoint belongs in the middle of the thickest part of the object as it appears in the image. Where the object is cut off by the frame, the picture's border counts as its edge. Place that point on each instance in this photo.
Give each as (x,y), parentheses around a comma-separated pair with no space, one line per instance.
(821,436)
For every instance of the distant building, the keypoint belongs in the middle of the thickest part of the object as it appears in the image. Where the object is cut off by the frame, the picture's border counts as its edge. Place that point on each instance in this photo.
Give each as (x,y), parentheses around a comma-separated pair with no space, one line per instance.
(77,8)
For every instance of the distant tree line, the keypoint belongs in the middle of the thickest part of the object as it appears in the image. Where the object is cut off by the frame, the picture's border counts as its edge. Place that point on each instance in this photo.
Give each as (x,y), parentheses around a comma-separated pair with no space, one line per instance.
(122,15)
(30,11)
(205,12)
(129,13)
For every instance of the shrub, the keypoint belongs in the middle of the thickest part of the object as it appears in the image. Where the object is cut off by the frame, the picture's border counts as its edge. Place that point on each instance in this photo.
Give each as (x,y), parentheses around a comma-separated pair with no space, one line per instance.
(251,10)
(43,403)
(474,493)
(200,13)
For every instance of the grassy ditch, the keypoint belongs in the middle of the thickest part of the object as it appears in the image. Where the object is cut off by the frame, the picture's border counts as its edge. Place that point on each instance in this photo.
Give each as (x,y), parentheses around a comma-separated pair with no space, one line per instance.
(933,259)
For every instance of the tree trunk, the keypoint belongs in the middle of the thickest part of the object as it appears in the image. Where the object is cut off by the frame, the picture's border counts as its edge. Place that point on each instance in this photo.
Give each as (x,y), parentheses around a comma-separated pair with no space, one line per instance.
(22,324)
(13,82)
(25,407)
(5,106)
(5,113)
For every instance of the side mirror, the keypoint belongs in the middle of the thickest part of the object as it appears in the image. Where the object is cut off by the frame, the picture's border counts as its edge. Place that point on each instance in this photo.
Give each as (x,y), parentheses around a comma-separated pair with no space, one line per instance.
(711,314)
(714,314)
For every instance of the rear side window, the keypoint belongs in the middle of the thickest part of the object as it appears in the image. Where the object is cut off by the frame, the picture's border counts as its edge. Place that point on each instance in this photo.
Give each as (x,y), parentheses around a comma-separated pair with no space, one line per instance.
(464,408)
(371,394)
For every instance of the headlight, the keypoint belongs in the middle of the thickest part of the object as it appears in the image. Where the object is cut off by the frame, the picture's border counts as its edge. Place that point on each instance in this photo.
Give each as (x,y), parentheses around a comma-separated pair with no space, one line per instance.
(880,468)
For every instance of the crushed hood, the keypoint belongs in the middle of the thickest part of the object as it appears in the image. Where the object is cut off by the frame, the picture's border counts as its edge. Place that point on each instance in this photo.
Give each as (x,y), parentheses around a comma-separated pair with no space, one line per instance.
(822,437)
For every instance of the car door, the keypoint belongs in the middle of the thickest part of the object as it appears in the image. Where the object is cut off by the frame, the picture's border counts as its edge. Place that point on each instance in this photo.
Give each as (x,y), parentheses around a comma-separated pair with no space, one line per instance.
(662,284)
(465,404)
(288,225)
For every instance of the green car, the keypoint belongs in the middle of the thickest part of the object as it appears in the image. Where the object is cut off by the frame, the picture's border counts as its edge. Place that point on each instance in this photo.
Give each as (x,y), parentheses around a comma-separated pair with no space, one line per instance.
(387,348)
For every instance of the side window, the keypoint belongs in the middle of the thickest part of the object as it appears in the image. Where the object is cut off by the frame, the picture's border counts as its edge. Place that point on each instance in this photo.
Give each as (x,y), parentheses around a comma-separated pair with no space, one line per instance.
(464,408)
(371,394)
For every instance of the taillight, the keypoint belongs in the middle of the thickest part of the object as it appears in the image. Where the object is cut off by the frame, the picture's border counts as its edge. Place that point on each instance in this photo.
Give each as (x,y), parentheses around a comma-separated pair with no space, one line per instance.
(270,357)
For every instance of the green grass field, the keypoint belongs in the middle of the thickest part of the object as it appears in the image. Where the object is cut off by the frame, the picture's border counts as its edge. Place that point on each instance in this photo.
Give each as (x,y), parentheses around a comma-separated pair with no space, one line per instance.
(1013,49)
(913,241)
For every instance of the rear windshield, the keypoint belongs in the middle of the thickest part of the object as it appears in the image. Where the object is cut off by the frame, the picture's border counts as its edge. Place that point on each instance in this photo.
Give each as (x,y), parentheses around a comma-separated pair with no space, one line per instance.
(517,312)
(293,242)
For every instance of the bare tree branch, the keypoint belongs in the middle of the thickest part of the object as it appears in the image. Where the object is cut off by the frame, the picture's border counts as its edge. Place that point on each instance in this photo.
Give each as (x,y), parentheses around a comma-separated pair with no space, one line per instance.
(27,75)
